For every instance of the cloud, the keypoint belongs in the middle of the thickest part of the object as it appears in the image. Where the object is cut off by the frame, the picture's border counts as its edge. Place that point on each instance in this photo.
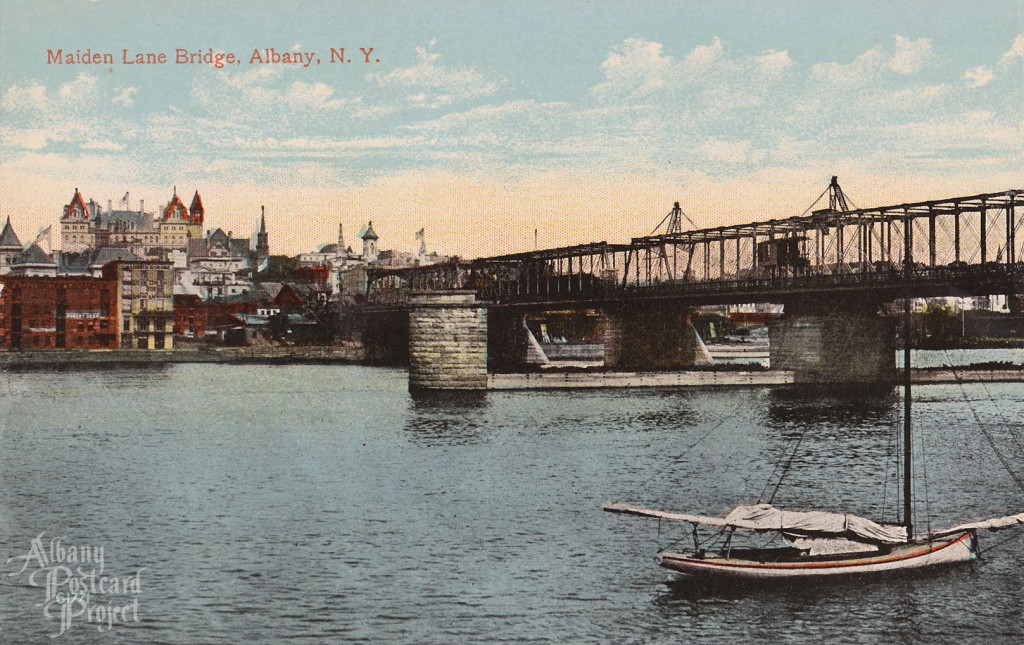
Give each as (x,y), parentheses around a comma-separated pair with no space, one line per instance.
(1016,51)
(30,97)
(123,96)
(431,84)
(774,61)
(319,96)
(105,145)
(704,55)
(635,67)
(911,55)
(977,76)
(82,88)
(33,139)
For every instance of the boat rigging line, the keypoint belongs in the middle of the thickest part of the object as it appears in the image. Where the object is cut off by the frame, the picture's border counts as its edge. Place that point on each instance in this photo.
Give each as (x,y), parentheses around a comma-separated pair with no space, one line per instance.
(985,433)
(679,459)
(785,469)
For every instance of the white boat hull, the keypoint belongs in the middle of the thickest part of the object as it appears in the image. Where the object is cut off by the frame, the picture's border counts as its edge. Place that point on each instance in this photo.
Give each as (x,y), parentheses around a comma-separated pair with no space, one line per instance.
(961,547)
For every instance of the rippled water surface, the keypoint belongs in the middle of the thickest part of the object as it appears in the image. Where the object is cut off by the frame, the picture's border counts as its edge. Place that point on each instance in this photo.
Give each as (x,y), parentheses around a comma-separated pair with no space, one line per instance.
(324,503)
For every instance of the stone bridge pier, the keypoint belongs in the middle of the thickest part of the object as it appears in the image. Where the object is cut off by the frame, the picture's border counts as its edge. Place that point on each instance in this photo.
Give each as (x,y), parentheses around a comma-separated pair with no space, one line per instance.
(652,337)
(447,341)
(834,345)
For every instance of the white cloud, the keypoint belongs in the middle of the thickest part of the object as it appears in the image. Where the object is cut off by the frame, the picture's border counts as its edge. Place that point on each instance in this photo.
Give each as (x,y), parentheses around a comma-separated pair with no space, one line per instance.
(316,95)
(977,76)
(911,55)
(1016,51)
(439,84)
(82,88)
(34,139)
(108,146)
(123,96)
(774,61)
(863,69)
(29,97)
(704,55)
(634,67)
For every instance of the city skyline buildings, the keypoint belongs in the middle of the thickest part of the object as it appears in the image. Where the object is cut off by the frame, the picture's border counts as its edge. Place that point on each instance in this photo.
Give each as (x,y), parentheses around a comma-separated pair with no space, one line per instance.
(583,121)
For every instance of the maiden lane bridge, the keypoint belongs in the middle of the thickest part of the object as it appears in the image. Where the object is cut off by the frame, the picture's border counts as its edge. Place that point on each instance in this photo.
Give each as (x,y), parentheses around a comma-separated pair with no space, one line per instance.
(834,270)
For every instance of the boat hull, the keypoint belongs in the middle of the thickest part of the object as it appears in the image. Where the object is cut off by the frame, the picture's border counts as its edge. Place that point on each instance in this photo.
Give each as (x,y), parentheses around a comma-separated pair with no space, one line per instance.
(961,547)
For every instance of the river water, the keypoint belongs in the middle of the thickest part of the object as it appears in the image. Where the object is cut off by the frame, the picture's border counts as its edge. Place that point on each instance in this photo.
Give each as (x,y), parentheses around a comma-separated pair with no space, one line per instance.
(324,503)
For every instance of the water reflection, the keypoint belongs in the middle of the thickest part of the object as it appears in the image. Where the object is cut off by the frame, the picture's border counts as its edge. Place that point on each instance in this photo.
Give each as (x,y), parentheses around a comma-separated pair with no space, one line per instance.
(807,405)
(126,370)
(447,417)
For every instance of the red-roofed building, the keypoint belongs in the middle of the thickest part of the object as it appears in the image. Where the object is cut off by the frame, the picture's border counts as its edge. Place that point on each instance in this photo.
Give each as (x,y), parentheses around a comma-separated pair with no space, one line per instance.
(86,225)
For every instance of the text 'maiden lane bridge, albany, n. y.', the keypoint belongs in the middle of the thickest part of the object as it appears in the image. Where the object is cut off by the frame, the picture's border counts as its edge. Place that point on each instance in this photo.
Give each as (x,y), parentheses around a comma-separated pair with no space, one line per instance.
(833,269)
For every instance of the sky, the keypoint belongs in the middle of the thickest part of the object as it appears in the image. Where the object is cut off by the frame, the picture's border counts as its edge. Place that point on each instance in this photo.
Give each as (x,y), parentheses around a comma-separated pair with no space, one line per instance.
(485,122)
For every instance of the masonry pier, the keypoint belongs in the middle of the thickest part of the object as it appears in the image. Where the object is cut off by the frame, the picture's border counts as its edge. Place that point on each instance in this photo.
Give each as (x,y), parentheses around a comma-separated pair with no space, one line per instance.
(651,337)
(447,341)
(840,346)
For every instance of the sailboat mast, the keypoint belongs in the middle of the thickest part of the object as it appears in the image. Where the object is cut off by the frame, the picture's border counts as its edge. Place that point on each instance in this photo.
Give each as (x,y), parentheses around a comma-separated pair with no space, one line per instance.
(908,263)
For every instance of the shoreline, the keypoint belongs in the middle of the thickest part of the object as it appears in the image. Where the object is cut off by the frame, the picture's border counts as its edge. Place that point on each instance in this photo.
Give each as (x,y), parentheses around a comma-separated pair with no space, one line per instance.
(734,375)
(254,355)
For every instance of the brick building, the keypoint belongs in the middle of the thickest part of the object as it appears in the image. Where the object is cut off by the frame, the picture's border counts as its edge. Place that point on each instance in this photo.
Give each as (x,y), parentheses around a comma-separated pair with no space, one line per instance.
(195,317)
(58,313)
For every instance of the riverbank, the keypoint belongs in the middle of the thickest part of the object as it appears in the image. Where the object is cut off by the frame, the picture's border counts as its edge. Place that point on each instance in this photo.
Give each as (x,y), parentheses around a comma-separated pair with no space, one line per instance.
(257,355)
(594,379)
(712,378)
(707,376)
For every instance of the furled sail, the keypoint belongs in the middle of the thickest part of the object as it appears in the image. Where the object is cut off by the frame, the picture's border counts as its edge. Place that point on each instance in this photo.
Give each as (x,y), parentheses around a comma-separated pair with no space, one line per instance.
(628,509)
(993,524)
(767,518)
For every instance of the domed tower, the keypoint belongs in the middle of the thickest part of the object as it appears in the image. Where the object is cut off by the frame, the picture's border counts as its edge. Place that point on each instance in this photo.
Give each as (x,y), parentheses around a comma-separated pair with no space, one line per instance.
(369,244)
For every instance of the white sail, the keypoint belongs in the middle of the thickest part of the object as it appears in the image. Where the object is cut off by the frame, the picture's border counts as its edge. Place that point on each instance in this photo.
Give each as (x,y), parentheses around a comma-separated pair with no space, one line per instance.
(992,524)
(767,518)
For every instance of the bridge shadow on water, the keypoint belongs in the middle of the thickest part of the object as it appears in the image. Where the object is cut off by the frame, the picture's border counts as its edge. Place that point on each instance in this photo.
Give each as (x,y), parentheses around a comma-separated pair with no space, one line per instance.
(447,417)
(819,405)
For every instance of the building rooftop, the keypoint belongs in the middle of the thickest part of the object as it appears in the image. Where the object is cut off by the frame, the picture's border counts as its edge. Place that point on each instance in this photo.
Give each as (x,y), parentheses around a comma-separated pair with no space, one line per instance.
(8,237)
(35,255)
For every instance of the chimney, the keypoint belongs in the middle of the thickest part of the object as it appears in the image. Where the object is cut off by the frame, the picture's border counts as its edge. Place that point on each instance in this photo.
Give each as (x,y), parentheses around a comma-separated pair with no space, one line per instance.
(142,206)
(110,206)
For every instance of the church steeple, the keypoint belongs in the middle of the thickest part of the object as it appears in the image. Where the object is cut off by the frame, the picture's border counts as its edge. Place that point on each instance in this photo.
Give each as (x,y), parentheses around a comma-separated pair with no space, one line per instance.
(262,239)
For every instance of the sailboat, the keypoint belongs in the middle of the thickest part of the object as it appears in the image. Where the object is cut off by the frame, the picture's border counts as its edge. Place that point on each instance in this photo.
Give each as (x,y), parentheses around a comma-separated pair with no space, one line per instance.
(824,544)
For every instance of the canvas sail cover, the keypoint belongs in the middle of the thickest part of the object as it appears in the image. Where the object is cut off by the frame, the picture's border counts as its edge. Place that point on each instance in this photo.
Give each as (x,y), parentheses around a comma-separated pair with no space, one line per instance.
(767,518)
(993,524)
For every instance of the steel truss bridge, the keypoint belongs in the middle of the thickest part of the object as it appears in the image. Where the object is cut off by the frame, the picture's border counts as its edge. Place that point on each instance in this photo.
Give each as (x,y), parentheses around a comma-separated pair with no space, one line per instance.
(958,246)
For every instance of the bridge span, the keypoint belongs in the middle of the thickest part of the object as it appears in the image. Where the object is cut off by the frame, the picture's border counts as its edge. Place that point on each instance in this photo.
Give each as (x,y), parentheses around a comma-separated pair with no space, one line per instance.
(832,268)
